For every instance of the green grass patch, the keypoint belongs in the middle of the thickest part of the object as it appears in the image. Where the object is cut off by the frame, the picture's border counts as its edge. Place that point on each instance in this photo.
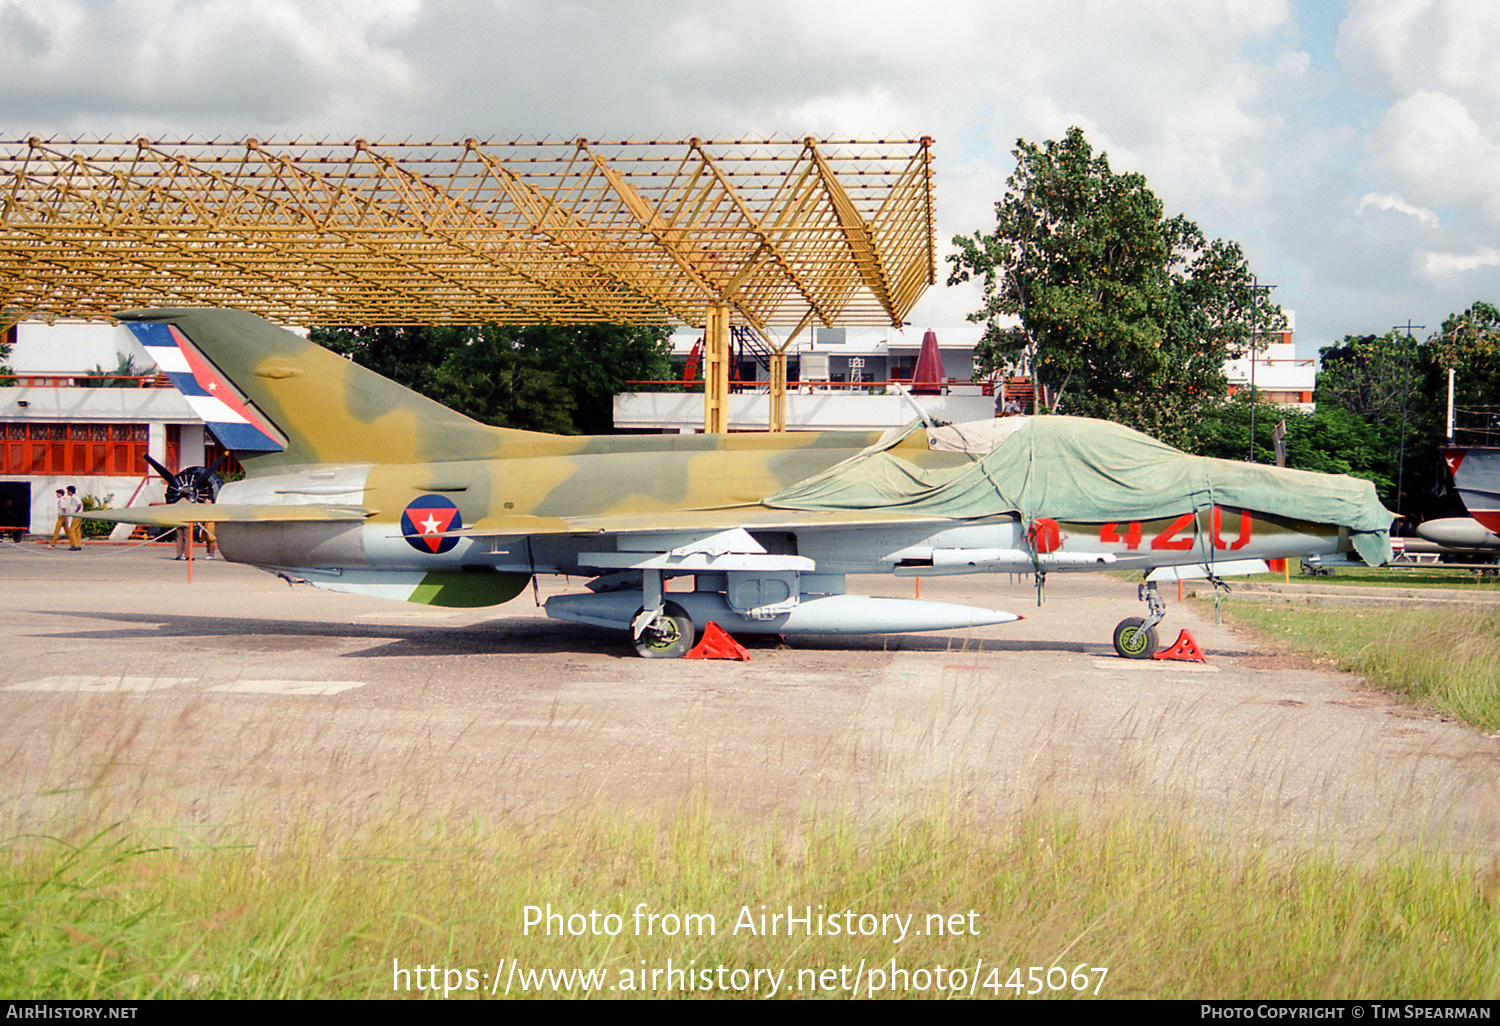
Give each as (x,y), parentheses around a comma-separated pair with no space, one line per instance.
(325,918)
(1445,660)
(1360,576)
(1385,577)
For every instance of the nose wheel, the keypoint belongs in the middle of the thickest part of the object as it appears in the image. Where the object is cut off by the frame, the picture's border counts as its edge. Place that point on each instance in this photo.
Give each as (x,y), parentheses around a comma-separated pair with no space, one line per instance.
(1134,640)
(1135,637)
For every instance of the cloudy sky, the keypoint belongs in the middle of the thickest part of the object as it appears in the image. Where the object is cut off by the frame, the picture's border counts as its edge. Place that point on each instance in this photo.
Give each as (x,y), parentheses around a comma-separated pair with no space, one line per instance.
(1353,147)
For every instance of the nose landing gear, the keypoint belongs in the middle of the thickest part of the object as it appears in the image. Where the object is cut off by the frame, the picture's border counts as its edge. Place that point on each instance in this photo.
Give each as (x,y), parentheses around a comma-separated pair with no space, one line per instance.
(1135,638)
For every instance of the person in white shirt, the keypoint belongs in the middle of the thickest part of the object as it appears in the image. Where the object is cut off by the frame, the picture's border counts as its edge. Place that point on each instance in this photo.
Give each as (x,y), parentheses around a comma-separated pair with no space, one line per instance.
(75,524)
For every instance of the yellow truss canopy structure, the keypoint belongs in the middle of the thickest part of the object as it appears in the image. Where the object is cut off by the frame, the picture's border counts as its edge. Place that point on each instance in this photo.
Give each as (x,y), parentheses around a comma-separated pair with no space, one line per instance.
(764,232)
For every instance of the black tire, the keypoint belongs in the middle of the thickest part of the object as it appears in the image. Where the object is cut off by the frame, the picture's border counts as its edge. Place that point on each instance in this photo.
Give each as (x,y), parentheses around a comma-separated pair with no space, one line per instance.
(1133,643)
(672,638)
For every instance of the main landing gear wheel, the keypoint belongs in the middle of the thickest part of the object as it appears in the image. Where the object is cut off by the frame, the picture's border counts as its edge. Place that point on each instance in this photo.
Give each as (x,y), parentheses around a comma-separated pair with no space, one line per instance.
(1134,643)
(671,637)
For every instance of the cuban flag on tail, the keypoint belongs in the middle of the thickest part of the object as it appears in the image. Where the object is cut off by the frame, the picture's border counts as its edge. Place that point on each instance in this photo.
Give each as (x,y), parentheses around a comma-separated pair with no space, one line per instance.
(237,427)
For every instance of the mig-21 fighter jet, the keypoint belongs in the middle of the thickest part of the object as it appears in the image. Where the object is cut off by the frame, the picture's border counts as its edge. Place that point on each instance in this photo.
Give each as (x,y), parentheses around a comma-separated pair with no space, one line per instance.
(354,483)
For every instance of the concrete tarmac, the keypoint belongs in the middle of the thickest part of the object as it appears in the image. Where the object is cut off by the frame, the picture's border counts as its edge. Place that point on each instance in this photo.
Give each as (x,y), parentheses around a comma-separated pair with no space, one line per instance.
(127,692)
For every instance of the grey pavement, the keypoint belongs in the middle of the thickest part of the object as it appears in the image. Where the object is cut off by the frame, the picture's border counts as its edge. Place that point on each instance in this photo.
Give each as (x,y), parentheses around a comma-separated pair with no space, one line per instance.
(239,702)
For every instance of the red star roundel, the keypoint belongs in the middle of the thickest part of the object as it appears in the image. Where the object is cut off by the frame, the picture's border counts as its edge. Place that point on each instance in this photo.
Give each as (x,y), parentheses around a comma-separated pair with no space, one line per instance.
(425,519)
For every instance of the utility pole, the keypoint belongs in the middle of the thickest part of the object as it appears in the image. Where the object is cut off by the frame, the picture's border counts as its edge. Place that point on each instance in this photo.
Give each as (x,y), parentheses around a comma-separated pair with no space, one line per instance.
(1405,394)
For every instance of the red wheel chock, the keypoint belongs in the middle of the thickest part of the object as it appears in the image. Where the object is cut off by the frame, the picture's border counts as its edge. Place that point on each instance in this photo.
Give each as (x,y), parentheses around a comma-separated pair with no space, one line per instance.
(1184,648)
(717,644)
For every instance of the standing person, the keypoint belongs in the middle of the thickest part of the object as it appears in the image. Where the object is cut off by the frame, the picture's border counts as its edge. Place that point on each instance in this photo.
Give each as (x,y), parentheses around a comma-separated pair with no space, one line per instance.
(62,519)
(187,536)
(75,523)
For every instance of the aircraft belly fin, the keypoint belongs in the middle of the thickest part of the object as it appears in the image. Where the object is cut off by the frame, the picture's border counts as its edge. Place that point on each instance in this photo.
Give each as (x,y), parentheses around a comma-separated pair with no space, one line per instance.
(454,589)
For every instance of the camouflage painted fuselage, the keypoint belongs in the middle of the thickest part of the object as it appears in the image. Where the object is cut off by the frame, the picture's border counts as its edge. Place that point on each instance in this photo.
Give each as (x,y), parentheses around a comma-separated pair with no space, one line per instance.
(357,484)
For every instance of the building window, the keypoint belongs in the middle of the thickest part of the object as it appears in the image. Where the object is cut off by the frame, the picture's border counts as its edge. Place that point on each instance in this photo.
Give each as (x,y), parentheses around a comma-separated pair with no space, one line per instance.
(74,450)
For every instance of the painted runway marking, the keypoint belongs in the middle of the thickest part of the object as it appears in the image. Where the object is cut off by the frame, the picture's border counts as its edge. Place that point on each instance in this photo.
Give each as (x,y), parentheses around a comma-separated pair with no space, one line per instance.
(1153,664)
(286,687)
(100,684)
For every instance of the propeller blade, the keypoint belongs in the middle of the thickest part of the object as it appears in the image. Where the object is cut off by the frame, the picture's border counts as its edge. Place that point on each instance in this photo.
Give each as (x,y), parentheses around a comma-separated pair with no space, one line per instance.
(166,474)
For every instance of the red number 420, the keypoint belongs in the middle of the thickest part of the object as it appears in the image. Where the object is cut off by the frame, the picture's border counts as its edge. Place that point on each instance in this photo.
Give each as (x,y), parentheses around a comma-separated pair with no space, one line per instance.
(1176,535)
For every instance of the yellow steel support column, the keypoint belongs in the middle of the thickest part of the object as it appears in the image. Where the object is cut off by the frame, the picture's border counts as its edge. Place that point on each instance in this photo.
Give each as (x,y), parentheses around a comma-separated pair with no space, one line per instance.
(778,389)
(777,413)
(716,370)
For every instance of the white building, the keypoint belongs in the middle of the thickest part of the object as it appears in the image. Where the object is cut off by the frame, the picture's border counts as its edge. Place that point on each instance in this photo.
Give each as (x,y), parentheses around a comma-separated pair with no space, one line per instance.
(55,433)
(838,379)
(846,380)
(1277,373)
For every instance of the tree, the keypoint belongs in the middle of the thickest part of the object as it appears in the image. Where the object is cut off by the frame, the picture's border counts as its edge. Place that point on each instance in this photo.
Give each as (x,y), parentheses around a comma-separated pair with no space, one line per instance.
(1398,388)
(1369,375)
(1330,440)
(125,367)
(1123,312)
(593,362)
(1373,379)
(534,377)
(407,354)
(493,379)
(1469,342)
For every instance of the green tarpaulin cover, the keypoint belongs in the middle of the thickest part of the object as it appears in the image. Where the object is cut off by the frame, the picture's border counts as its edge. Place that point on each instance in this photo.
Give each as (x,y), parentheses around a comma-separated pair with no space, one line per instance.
(1095,471)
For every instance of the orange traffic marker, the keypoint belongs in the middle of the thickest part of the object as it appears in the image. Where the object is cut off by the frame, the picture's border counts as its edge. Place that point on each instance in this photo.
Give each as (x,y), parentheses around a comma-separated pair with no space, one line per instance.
(717,644)
(1184,648)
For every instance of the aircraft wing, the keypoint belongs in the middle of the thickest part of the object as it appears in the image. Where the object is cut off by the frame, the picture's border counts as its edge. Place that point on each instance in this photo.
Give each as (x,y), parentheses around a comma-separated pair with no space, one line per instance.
(178,514)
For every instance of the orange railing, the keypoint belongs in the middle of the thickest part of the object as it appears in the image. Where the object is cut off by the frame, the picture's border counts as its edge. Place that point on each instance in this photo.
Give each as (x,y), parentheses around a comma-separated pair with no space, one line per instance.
(985,388)
(72,380)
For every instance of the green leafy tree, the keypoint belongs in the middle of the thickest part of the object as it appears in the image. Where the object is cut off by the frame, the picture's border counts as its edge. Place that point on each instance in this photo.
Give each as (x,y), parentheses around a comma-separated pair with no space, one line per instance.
(1331,440)
(535,377)
(1123,312)
(493,379)
(1469,342)
(407,354)
(592,362)
(1370,375)
(125,367)
(1373,379)
(1398,387)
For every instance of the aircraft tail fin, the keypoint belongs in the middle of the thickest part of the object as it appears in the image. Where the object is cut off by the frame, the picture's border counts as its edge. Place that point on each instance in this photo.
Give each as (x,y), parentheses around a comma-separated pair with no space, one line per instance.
(279,400)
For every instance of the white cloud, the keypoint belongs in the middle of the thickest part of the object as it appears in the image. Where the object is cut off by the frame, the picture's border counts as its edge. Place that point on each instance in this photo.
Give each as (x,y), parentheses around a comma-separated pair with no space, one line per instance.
(203,65)
(1400,47)
(1232,108)
(1442,266)
(1432,147)
(1390,201)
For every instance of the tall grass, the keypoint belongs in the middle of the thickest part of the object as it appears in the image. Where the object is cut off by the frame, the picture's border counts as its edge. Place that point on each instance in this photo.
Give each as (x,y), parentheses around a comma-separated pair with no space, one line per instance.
(1447,660)
(114,899)
(335,918)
